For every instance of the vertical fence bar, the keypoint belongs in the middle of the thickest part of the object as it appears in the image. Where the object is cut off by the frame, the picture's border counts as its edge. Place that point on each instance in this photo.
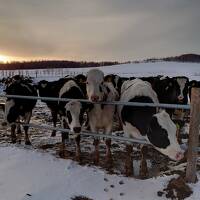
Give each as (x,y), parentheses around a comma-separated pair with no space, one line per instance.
(193,136)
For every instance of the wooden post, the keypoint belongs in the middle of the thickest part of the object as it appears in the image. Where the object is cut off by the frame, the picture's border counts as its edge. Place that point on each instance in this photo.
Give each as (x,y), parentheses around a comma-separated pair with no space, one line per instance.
(193,136)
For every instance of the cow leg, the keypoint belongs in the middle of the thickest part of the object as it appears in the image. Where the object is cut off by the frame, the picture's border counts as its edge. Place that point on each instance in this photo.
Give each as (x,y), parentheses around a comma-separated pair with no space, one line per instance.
(62,152)
(54,118)
(13,135)
(109,160)
(178,133)
(27,120)
(143,164)
(96,151)
(78,149)
(19,132)
(64,136)
(65,126)
(129,160)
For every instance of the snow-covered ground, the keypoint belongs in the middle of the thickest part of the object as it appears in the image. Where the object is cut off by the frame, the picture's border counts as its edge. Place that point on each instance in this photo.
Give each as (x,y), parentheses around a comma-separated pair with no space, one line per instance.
(191,70)
(32,174)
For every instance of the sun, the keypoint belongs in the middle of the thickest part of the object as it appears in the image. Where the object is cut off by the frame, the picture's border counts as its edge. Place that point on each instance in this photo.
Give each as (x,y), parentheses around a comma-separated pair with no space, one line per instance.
(4,59)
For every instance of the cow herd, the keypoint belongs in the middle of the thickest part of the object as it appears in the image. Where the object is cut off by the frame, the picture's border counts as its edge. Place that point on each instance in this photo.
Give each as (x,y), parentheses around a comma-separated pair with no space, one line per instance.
(150,123)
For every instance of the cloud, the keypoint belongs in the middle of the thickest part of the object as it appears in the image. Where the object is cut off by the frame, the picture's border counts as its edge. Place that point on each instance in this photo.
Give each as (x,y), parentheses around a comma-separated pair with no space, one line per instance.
(99,29)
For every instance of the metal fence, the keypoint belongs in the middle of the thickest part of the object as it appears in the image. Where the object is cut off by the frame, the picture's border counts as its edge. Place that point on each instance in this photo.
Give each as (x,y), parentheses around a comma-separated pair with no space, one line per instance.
(88,133)
(194,128)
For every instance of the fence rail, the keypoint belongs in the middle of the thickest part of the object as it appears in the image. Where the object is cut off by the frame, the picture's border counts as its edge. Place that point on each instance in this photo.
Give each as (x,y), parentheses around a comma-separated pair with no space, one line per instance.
(139,104)
(87,133)
(96,135)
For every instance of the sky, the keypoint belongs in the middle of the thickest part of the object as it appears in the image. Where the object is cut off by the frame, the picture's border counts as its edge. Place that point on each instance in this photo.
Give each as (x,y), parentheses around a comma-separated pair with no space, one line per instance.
(96,30)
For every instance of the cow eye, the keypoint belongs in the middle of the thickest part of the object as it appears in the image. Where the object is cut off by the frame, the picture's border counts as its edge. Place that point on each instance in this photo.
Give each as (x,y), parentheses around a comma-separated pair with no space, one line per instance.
(87,82)
(69,116)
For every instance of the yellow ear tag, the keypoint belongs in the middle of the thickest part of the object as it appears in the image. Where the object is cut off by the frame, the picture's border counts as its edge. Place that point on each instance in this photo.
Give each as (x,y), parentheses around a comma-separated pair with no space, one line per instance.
(177,126)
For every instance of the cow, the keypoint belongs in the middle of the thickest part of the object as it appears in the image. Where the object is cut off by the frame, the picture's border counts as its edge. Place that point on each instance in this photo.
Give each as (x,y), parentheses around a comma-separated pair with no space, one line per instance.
(70,112)
(51,89)
(183,82)
(16,109)
(100,116)
(115,80)
(81,81)
(147,122)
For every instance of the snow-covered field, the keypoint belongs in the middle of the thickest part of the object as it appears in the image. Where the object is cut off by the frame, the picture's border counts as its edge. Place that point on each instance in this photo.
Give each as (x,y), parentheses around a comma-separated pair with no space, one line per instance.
(191,70)
(34,173)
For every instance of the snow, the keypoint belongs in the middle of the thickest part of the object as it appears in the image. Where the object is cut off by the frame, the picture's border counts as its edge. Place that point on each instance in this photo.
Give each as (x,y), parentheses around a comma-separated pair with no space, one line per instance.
(29,174)
(32,175)
(191,70)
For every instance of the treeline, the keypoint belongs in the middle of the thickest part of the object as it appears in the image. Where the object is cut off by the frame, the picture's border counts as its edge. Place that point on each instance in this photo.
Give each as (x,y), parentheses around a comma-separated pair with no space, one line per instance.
(195,58)
(52,64)
(184,58)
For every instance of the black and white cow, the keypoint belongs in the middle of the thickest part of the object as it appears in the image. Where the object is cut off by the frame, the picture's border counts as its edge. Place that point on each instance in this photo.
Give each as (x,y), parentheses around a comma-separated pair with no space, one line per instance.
(183,82)
(100,116)
(147,122)
(116,80)
(81,81)
(17,109)
(71,112)
(52,89)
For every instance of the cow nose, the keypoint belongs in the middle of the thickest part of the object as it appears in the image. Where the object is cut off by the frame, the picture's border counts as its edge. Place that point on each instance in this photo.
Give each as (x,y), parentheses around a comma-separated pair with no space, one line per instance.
(4,123)
(180,98)
(179,156)
(94,98)
(77,129)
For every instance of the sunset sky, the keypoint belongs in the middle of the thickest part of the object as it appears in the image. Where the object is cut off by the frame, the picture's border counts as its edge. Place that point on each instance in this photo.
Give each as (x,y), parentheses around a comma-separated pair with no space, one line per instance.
(98,29)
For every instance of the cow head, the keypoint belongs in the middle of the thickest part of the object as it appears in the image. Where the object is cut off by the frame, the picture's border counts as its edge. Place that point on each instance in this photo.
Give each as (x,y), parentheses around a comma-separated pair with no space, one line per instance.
(115,80)
(95,85)
(73,113)
(183,88)
(162,134)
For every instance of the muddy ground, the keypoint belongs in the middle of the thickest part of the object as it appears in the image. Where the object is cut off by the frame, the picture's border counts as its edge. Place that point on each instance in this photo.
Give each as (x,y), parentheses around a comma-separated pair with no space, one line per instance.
(41,141)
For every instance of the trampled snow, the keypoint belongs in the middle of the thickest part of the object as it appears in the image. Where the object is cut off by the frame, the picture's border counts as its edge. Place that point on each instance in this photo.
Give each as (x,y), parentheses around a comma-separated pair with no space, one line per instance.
(31,175)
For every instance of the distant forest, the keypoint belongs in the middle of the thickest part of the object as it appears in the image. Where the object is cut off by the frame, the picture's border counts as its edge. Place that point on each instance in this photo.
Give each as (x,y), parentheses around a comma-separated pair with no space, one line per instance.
(81,64)
(182,58)
(52,64)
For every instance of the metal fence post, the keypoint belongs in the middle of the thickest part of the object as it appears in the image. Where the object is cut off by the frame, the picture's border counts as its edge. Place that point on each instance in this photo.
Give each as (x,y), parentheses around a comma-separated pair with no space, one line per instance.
(193,142)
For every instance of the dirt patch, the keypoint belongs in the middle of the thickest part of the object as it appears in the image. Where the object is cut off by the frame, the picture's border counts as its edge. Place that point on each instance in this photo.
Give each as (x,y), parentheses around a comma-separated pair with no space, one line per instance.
(176,189)
(80,198)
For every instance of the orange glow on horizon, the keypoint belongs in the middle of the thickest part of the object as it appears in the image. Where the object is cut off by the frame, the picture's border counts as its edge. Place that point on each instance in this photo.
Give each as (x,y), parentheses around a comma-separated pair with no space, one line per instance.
(4,59)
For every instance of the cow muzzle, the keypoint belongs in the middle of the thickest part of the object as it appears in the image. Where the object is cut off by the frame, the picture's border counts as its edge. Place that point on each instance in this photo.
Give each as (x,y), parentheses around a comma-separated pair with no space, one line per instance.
(179,156)
(94,98)
(180,98)
(77,129)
